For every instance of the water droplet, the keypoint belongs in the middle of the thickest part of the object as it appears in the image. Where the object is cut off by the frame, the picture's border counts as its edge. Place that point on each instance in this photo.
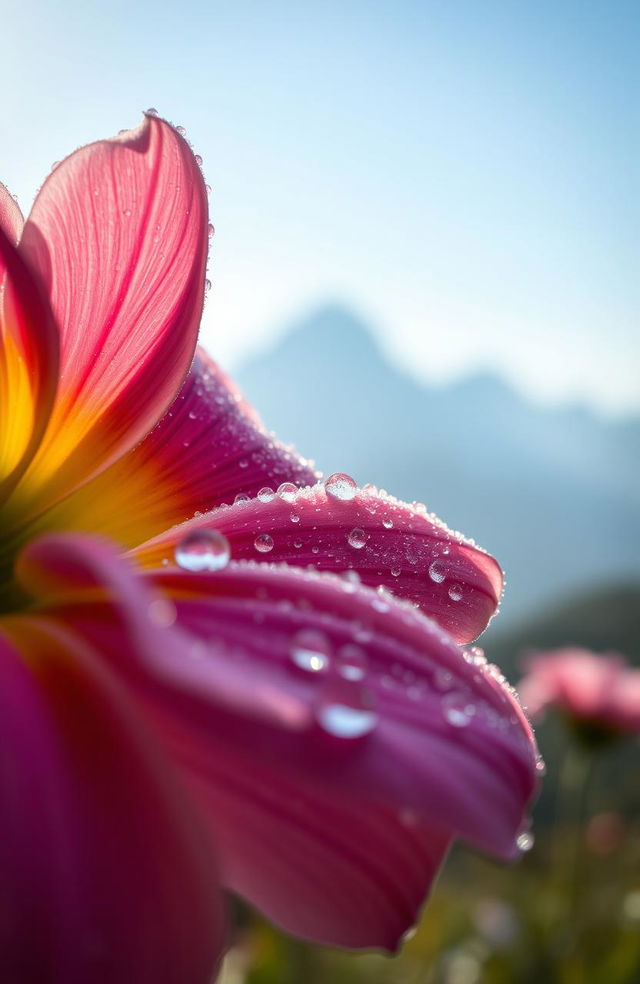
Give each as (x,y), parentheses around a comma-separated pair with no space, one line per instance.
(207,286)
(387,523)
(357,538)
(152,111)
(126,211)
(266,494)
(346,710)
(297,544)
(396,571)
(310,651)
(458,709)
(243,463)
(437,572)
(455,592)
(197,159)
(211,229)
(181,130)
(294,518)
(288,491)
(351,579)
(341,487)
(541,767)
(203,550)
(263,543)
(351,662)
(525,841)
(241,497)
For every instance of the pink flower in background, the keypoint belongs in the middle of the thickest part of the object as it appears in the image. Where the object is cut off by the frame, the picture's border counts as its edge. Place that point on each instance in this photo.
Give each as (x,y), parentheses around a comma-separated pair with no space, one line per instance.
(598,690)
(216,671)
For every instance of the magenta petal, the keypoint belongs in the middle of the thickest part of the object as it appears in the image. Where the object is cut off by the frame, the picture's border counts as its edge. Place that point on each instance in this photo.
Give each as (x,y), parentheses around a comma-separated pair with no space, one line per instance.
(387,542)
(118,234)
(106,876)
(391,718)
(208,447)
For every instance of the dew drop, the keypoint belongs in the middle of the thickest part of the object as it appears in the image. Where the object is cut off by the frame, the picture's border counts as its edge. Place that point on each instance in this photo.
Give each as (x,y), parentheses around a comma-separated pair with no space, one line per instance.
(207,286)
(288,491)
(211,229)
(152,111)
(541,767)
(396,571)
(310,651)
(436,572)
(203,550)
(351,662)
(387,523)
(181,130)
(263,543)
(458,709)
(266,494)
(525,841)
(342,487)
(357,538)
(455,592)
(241,497)
(351,579)
(197,159)
(346,710)
(294,518)
(126,211)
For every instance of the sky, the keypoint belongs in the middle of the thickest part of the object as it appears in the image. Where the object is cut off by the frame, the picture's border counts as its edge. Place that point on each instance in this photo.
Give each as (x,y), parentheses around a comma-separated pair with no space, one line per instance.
(462,174)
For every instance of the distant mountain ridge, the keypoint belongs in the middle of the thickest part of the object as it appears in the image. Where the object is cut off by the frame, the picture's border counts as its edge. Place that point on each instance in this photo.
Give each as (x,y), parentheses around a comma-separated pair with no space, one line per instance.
(553,493)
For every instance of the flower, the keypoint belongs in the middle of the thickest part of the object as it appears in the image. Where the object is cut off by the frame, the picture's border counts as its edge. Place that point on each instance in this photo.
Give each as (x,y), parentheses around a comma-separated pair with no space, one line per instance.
(297,723)
(598,692)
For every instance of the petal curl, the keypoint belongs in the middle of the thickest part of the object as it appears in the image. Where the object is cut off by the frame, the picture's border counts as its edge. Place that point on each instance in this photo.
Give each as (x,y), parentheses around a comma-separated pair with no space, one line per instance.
(118,234)
(389,543)
(209,447)
(439,747)
(106,875)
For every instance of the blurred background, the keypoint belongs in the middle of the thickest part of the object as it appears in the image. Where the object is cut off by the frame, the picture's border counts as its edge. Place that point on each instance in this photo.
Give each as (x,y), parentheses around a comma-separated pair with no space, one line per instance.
(425,273)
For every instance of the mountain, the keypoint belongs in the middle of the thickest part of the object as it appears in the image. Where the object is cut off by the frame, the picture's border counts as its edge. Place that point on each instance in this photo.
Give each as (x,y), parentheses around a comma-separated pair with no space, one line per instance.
(552,493)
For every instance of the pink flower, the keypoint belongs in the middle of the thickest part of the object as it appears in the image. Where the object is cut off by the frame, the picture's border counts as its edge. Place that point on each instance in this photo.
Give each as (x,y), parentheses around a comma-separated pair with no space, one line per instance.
(596,691)
(306,732)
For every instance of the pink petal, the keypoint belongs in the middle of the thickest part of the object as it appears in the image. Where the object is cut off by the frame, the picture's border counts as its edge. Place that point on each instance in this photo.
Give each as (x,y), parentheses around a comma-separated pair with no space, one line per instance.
(11,220)
(421,739)
(388,543)
(118,234)
(207,448)
(28,362)
(106,876)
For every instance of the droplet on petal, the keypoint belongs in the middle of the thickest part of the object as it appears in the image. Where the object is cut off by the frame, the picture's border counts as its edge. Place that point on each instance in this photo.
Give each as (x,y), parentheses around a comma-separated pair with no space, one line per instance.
(357,538)
(266,494)
(207,286)
(340,486)
(197,159)
(351,662)
(241,497)
(288,491)
(263,543)
(211,230)
(152,111)
(310,651)
(525,841)
(455,592)
(458,709)
(437,572)
(345,709)
(203,550)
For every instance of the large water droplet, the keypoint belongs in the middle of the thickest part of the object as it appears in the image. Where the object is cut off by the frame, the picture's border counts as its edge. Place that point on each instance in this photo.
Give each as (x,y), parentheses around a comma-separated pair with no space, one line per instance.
(437,572)
(266,494)
(241,497)
(203,550)
(458,709)
(310,651)
(346,710)
(357,538)
(340,486)
(455,592)
(288,491)
(263,542)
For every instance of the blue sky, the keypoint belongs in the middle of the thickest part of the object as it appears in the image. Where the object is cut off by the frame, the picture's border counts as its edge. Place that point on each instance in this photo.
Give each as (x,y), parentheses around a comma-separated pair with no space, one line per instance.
(464,174)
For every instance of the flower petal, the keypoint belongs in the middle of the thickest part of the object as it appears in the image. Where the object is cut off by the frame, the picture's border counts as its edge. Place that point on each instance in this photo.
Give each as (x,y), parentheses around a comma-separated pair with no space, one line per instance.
(28,360)
(118,234)
(387,542)
(402,728)
(106,876)
(11,220)
(207,448)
